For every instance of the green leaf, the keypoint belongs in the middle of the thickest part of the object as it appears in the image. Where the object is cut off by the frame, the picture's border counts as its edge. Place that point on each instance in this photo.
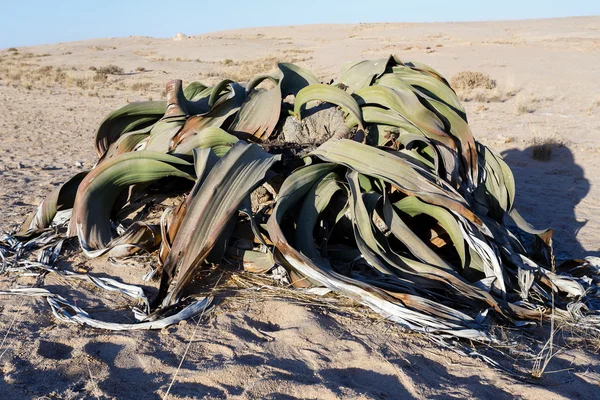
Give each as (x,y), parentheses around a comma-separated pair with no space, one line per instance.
(410,311)
(211,208)
(395,170)
(430,86)
(400,98)
(295,78)
(413,207)
(132,117)
(216,117)
(259,114)
(356,76)
(61,198)
(328,94)
(314,204)
(211,137)
(91,220)
(194,90)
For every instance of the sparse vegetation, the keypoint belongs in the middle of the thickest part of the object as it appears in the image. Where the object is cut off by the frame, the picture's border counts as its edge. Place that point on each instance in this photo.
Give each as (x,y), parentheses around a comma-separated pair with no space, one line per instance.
(422,264)
(176,59)
(30,77)
(141,86)
(99,77)
(469,80)
(140,69)
(480,87)
(525,104)
(244,70)
(13,49)
(110,70)
(143,53)
(541,147)
(102,48)
(249,69)
(297,51)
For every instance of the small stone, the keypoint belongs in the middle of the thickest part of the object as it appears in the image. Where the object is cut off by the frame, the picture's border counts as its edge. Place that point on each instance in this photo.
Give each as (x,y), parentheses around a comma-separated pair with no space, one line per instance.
(78,164)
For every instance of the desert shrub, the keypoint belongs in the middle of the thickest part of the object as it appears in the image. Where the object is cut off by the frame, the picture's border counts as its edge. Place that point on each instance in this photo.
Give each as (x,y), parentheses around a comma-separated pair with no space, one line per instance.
(469,80)
(525,104)
(141,86)
(541,147)
(100,77)
(110,70)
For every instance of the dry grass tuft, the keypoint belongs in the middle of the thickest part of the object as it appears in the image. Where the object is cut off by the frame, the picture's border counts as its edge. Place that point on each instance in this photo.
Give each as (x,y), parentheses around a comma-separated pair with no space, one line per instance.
(526,104)
(292,51)
(242,71)
(101,48)
(176,59)
(469,80)
(541,147)
(141,86)
(143,53)
(479,87)
(247,70)
(110,70)
(30,76)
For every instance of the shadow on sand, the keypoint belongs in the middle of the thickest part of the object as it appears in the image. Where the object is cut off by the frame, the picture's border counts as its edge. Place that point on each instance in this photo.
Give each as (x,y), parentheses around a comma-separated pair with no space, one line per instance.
(547,193)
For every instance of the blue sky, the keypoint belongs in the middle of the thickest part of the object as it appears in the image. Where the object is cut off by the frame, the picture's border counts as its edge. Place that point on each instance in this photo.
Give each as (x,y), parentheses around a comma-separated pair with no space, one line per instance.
(32,22)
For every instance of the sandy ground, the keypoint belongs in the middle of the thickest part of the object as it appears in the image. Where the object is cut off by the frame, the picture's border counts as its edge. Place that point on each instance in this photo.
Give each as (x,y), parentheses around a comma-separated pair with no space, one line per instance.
(261,346)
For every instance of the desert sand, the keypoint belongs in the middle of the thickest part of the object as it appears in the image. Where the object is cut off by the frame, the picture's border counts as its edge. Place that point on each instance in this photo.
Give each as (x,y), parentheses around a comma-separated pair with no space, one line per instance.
(260,344)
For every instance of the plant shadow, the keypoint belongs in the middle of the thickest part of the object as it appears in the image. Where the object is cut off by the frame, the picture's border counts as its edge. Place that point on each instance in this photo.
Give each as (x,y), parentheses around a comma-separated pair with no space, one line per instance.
(547,194)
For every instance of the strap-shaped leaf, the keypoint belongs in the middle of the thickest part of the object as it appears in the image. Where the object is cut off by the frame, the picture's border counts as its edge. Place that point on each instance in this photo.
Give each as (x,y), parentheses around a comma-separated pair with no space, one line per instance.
(61,198)
(211,208)
(314,204)
(193,91)
(294,78)
(411,311)
(98,191)
(328,94)
(356,76)
(398,96)
(126,119)
(395,170)
(216,117)
(259,114)
(431,86)
(210,137)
